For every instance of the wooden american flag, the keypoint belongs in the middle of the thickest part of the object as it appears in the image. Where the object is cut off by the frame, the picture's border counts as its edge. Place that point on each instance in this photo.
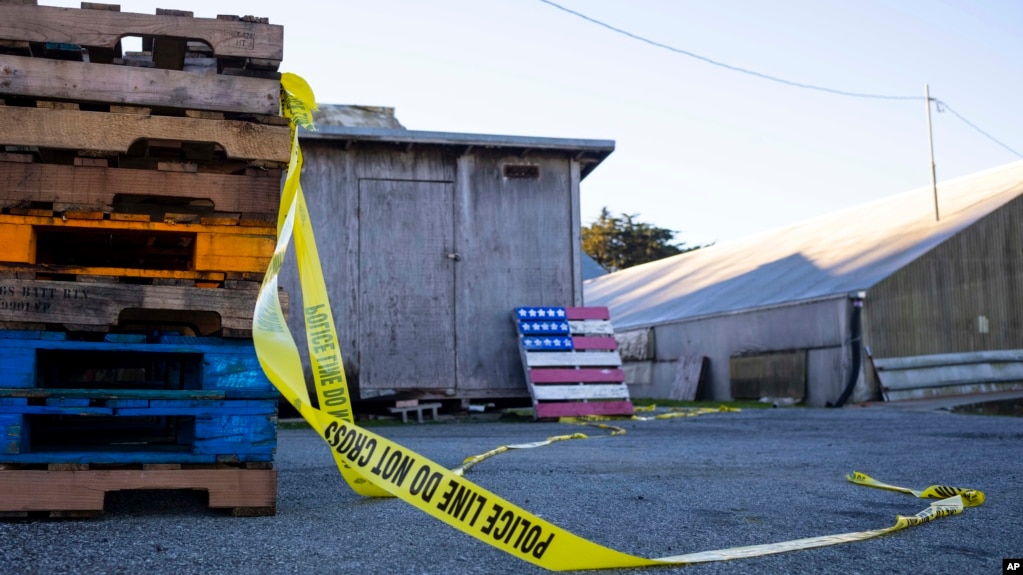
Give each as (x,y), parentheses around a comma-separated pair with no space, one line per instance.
(571,361)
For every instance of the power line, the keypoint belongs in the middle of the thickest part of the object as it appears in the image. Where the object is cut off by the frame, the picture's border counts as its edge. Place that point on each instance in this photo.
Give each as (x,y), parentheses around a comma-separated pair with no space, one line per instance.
(774,78)
(728,66)
(974,126)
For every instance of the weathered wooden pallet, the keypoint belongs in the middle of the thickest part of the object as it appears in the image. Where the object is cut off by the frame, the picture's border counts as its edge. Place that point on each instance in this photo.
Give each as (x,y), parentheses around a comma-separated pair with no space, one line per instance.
(571,361)
(106,133)
(89,244)
(138,194)
(62,80)
(132,398)
(171,39)
(112,307)
(62,492)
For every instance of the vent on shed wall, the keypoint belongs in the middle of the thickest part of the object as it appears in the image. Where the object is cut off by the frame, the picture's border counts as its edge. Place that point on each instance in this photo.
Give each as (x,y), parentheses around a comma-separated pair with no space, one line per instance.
(522,171)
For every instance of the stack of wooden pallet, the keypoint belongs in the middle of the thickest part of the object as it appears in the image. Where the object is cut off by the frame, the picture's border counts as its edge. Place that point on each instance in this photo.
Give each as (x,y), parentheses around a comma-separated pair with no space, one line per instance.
(138,200)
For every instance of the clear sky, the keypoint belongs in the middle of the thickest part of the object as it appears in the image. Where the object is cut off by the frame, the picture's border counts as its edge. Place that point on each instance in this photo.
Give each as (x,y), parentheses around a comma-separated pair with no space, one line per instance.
(711,153)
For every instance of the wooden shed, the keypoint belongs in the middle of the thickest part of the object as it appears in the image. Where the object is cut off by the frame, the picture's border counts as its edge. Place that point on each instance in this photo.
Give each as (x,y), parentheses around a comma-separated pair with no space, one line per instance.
(891,299)
(428,240)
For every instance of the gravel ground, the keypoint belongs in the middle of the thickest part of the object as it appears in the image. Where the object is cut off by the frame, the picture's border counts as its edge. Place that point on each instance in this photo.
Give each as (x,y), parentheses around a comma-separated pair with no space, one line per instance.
(665,487)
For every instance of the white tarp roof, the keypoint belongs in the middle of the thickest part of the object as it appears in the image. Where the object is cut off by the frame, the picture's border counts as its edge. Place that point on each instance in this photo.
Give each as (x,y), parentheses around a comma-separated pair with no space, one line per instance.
(831,255)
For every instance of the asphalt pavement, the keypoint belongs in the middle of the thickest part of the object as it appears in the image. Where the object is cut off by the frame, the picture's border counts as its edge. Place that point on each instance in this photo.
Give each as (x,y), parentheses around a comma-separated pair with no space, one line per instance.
(665,487)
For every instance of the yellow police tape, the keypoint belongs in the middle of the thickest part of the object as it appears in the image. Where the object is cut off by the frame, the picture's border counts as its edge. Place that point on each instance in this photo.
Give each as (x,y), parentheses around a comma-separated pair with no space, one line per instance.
(672,413)
(593,421)
(971,497)
(376,466)
(472,461)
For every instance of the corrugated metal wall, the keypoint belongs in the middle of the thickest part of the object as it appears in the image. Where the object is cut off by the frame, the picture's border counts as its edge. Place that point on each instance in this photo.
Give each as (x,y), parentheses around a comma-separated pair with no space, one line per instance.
(965,295)
(821,328)
(426,249)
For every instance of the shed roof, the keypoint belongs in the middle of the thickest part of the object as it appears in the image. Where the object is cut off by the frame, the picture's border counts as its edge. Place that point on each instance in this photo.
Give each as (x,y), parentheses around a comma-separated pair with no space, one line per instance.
(590,153)
(822,258)
(591,268)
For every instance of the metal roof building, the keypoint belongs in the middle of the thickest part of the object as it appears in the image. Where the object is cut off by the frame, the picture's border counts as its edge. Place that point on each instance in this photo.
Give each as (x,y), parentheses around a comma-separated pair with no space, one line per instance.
(774,314)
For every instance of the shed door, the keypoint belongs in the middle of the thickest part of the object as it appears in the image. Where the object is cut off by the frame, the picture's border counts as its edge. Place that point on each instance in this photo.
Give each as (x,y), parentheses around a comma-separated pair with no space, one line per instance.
(406,284)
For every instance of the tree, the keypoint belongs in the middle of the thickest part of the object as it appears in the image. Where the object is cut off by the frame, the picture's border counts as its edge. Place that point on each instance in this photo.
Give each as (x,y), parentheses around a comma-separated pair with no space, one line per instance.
(619,242)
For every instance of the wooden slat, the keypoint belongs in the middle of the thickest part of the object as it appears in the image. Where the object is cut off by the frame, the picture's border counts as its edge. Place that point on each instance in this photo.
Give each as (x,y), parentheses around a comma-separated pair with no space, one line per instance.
(546,343)
(31,490)
(105,132)
(115,397)
(101,304)
(50,269)
(109,225)
(234,252)
(19,243)
(553,375)
(688,375)
(15,157)
(580,392)
(218,369)
(579,409)
(591,327)
(581,313)
(104,29)
(539,313)
(584,342)
(63,79)
(202,409)
(569,359)
(543,327)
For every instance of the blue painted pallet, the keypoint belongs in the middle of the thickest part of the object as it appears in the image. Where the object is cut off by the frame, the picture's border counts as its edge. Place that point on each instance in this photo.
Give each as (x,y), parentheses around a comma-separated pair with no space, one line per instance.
(207,362)
(133,399)
(140,430)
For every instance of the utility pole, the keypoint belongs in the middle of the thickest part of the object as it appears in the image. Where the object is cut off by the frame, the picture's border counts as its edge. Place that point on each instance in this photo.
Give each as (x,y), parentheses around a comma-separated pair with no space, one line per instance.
(930,138)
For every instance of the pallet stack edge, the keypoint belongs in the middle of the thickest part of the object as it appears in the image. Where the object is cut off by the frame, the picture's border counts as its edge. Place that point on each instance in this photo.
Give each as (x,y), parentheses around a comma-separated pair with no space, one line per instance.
(138,206)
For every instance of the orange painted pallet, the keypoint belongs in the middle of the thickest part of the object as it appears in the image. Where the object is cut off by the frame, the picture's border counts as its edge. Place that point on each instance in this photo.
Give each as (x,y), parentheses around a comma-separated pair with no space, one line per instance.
(95,245)
(69,491)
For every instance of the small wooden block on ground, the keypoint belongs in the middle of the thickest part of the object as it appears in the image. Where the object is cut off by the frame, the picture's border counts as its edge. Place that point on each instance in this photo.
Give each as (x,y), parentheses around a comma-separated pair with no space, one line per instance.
(417,408)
